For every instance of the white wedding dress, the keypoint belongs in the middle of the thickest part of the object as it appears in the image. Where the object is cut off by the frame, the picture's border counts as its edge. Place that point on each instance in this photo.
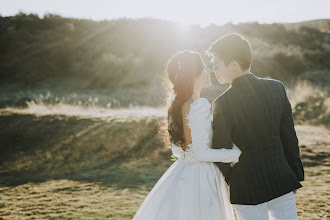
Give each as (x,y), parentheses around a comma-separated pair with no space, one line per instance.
(193,188)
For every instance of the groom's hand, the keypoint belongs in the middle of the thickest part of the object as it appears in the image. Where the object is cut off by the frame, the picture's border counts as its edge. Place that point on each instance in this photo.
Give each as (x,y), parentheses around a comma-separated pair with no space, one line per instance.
(294,192)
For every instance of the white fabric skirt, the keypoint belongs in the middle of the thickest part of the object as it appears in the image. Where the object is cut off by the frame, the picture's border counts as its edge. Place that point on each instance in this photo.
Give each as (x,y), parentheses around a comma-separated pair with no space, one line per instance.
(189,189)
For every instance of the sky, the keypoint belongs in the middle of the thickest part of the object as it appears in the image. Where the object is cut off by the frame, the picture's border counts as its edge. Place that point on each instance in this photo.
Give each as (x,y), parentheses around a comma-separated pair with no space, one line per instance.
(201,12)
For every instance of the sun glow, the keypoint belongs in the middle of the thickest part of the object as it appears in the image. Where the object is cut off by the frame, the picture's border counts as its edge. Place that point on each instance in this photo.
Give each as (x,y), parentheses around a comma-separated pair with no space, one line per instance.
(183,11)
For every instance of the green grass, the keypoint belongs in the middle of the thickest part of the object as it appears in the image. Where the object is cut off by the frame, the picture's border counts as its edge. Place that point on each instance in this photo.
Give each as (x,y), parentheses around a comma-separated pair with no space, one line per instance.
(83,167)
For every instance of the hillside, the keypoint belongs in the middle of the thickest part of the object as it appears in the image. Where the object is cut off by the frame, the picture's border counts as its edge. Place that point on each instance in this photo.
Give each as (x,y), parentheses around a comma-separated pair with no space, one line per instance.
(55,166)
(321,24)
(74,54)
(80,101)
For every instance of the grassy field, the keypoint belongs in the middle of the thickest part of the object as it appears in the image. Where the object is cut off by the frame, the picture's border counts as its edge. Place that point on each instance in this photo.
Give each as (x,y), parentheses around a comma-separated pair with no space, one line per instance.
(80,102)
(83,165)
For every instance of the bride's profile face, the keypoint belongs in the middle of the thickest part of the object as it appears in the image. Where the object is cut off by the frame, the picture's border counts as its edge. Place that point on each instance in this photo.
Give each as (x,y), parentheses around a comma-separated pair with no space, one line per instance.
(204,80)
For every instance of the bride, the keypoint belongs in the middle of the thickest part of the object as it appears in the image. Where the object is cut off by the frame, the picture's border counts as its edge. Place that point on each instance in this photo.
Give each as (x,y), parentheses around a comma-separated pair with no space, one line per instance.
(193,187)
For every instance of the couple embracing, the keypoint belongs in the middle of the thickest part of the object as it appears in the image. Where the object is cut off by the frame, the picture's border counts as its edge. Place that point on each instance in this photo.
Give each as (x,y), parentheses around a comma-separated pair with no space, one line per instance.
(240,153)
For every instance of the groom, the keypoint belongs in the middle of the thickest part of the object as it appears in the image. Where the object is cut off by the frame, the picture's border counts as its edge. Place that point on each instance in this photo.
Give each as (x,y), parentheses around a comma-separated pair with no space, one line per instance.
(255,114)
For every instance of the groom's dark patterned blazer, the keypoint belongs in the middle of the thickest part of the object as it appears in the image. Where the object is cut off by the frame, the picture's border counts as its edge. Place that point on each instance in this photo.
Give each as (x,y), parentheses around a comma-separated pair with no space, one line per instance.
(256,115)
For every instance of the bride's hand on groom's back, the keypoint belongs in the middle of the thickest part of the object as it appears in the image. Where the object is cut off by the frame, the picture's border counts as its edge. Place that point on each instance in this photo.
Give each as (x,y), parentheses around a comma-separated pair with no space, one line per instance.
(239,152)
(237,148)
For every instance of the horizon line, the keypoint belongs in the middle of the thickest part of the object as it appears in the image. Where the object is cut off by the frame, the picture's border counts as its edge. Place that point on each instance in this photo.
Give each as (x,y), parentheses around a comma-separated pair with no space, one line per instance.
(41,16)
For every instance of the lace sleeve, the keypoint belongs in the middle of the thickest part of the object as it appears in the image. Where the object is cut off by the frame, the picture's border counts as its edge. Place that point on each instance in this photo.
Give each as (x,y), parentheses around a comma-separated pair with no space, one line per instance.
(200,123)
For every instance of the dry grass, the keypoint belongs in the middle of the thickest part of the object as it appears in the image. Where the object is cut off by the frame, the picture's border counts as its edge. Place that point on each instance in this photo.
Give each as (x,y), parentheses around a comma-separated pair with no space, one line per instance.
(313,200)
(55,166)
(60,166)
(67,199)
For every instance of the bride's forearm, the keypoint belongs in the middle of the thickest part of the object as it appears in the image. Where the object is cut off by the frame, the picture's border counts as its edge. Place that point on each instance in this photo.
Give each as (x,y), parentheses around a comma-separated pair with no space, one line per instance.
(218,155)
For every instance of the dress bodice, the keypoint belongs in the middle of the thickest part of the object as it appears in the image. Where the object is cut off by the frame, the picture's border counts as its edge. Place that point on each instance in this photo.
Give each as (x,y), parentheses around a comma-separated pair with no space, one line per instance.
(200,124)
(199,110)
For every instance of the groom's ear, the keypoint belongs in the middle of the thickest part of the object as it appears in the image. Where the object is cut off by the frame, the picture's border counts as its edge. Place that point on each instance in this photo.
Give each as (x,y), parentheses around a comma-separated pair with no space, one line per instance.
(234,65)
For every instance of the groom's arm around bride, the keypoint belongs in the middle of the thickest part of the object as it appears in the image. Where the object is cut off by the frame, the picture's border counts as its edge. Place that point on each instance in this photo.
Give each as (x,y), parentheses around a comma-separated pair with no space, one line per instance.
(222,133)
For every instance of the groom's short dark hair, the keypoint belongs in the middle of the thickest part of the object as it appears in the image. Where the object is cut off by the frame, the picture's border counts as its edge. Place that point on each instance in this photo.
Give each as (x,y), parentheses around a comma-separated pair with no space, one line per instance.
(232,47)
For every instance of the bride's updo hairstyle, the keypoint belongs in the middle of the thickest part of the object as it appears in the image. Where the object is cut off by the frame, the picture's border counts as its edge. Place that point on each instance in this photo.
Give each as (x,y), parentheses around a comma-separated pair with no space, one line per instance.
(180,72)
